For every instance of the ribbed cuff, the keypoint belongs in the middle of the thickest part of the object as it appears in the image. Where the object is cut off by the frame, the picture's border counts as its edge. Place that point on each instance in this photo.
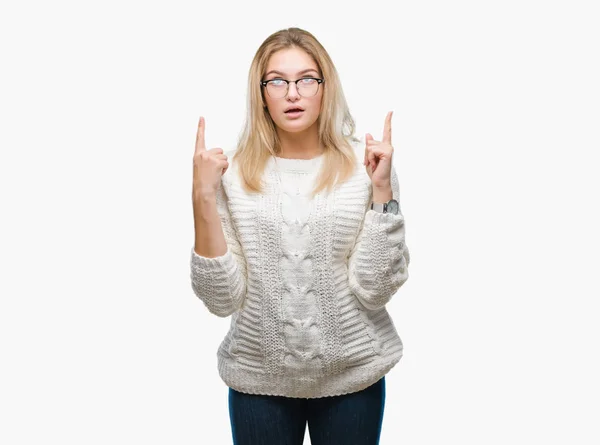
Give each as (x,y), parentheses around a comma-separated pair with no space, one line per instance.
(374,217)
(223,262)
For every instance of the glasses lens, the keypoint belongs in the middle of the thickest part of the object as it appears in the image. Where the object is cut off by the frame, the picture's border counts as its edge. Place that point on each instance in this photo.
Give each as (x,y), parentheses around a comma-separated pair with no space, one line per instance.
(277,88)
(308,87)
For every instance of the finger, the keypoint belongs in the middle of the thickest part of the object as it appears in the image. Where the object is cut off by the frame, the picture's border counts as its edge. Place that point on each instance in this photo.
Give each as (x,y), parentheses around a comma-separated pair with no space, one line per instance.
(380,154)
(200,143)
(375,155)
(387,129)
(368,138)
(375,158)
(216,150)
(371,158)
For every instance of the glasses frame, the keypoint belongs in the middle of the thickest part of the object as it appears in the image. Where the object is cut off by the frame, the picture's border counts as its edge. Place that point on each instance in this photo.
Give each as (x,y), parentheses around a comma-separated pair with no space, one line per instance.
(319,80)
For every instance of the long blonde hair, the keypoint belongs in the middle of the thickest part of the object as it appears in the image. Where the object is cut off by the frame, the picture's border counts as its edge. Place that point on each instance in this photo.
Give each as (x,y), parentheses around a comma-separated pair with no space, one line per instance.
(259,141)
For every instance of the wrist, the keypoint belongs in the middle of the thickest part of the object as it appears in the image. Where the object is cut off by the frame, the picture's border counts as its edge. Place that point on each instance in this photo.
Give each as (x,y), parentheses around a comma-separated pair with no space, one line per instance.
(387,184)
(203,195)
(381,195)
(205,207)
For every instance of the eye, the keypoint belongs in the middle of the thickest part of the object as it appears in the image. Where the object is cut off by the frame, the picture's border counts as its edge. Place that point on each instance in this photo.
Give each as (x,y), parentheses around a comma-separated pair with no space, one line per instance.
(308,81)
(277,82)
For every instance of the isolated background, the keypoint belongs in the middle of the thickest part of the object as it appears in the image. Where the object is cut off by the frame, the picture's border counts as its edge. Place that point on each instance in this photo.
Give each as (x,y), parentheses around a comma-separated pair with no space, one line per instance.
(496,137)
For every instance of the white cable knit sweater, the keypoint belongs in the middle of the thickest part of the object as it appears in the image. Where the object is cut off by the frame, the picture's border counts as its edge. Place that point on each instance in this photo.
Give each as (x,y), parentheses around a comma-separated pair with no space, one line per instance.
(305,281)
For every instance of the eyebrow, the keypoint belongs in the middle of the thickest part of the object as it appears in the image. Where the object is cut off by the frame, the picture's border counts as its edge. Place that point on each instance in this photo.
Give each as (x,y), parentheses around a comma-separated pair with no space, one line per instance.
(301,72)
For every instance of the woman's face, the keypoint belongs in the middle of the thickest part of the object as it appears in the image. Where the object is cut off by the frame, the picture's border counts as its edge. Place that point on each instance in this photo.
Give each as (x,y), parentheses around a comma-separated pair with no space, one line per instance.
(292,64)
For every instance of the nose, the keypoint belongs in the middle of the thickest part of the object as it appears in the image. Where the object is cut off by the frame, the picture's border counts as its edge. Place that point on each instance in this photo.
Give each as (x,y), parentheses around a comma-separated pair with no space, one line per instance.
(292,90)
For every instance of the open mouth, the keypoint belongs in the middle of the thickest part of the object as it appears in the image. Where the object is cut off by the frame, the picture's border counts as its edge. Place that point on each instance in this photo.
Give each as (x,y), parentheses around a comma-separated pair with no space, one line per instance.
(294,113)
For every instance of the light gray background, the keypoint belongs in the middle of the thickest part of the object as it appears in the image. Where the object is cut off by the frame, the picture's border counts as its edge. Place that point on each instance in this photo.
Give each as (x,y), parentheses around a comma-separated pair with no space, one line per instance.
(495,130)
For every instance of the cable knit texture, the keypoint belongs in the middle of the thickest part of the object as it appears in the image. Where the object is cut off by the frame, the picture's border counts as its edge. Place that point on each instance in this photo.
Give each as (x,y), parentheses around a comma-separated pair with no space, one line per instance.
(305,281)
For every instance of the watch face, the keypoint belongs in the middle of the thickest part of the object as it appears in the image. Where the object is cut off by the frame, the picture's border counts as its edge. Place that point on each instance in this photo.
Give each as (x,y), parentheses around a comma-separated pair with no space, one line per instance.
(393,207)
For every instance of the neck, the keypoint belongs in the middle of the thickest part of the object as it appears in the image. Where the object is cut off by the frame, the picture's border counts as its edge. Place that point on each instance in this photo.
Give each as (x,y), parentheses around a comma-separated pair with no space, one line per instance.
(301,145)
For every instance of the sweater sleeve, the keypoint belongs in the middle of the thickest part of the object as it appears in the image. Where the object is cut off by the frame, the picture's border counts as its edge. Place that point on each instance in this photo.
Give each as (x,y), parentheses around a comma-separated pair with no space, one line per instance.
(220,282)
(378,262)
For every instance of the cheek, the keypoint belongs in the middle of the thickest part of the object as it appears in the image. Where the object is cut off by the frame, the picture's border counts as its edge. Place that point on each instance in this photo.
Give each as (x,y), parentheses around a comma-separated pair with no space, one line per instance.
(316,104)
(269,102)
(271,109)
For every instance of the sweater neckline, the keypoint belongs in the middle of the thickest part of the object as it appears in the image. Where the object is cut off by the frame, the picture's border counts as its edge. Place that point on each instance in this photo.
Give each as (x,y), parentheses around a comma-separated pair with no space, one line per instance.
(297,165)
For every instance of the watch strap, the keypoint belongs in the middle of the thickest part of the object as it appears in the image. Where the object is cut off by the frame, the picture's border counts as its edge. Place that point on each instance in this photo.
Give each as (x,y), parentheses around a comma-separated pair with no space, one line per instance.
(379,207)
(392,206)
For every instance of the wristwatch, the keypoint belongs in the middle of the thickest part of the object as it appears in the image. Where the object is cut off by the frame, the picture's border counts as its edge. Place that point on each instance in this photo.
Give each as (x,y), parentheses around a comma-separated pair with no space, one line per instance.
(391,206)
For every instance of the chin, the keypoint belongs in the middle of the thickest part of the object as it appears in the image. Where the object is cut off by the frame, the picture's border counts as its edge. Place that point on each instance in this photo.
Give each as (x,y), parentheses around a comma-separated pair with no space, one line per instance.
(295,126)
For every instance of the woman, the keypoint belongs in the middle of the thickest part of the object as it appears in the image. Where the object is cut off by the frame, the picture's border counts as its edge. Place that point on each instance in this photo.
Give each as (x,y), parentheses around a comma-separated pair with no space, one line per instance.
(303,247)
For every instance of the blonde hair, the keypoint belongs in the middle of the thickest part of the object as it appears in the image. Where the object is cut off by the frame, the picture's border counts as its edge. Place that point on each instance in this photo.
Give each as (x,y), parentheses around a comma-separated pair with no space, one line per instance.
(259,141)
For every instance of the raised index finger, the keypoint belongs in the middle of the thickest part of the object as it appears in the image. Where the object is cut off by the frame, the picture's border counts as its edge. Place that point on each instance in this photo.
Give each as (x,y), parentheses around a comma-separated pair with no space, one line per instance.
(200,144)
(387,129)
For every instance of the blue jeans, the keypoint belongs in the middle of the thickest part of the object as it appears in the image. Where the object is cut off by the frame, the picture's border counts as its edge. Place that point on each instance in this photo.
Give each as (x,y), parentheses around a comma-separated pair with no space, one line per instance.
(349,419)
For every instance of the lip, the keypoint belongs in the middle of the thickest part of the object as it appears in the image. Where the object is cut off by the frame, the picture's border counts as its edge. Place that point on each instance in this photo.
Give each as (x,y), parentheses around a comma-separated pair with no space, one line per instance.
(292,108)
(294,114)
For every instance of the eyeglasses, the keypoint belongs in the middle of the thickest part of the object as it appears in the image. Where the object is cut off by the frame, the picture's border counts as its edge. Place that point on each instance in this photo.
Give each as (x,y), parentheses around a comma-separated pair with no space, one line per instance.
(278,88)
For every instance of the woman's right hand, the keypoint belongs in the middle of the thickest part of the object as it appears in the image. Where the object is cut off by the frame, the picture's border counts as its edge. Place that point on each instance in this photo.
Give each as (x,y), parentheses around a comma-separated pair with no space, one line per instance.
(209,166)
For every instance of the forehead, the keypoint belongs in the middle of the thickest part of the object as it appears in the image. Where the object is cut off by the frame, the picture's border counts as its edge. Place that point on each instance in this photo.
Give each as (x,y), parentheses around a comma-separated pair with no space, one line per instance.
(291,61)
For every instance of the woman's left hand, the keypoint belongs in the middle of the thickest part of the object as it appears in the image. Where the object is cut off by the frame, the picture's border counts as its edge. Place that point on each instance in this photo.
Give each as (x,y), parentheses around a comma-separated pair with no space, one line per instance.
(378,156)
